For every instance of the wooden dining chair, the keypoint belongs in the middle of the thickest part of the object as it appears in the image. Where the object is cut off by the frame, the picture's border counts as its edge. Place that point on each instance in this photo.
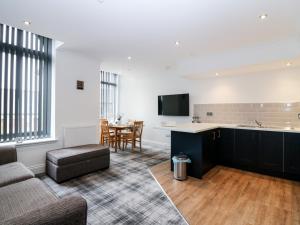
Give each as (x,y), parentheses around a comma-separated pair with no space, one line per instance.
(107,136)
(133,136)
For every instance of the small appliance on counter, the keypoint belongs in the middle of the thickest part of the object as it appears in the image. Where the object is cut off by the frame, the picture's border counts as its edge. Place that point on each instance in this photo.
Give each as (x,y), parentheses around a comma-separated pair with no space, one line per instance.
(196,119)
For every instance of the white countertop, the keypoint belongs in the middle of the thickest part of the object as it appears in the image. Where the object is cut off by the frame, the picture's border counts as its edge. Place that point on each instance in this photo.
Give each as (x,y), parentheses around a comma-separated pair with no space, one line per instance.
(200,127)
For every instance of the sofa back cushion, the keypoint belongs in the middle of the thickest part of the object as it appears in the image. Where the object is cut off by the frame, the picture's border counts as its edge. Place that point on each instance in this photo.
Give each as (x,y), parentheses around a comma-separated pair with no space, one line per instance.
(8,154)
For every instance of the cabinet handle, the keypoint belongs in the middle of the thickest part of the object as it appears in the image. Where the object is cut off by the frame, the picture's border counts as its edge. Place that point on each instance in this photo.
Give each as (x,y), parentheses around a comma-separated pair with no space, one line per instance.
(219,133)
(214,135)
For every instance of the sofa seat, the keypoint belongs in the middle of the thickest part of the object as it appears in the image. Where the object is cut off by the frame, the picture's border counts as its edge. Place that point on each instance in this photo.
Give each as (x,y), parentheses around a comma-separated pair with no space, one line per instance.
(17,199)
(14,172)
(67,163)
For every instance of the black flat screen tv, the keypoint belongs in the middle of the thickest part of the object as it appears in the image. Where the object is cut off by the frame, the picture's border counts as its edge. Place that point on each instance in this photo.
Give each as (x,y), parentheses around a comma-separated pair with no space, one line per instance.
(173,105)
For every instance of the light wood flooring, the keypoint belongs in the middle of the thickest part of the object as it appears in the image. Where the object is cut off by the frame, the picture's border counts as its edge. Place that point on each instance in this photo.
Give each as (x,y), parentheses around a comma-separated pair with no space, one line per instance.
(227,196)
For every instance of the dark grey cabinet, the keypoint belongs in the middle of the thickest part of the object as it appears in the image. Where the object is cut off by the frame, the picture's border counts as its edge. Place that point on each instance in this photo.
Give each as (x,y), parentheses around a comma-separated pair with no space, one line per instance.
(270,152)
(246,148)
(266,152)
(209,149)
(225,148)
(292,155)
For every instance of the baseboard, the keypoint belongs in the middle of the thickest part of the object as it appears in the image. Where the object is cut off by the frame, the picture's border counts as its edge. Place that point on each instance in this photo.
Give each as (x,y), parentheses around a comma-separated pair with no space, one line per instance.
(37,169)
(157,144)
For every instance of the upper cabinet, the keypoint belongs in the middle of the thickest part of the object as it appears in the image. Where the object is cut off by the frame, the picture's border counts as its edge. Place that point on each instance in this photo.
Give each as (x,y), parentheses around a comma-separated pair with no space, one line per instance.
(292,154)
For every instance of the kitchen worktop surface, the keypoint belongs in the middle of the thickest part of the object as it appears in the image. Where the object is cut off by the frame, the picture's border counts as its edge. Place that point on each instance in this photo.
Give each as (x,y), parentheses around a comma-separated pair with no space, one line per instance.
(200,127)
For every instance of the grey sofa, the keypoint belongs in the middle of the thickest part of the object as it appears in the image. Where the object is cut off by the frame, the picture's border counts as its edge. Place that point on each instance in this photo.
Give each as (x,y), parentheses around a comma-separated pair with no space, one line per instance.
(25,200)
(64,164)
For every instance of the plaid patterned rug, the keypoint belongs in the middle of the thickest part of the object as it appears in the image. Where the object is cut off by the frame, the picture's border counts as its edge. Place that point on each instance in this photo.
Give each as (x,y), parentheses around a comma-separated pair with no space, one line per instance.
(126,193)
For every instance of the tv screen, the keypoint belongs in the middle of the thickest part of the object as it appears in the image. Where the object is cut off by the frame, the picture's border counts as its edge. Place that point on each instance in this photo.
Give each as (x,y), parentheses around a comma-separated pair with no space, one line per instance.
(173,105)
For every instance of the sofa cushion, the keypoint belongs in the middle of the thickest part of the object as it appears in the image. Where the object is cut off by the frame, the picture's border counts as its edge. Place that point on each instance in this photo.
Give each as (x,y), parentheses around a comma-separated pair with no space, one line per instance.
(67,156)
(14,172)
(19,198)
(8,154)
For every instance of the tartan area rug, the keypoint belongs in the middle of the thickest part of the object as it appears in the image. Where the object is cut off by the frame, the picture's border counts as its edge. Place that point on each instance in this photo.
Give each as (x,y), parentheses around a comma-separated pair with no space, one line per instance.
(126,193)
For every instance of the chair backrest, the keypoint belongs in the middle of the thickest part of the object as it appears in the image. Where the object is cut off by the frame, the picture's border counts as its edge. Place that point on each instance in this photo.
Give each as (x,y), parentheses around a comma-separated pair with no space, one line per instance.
(103,120)
(104,126)
(138,128)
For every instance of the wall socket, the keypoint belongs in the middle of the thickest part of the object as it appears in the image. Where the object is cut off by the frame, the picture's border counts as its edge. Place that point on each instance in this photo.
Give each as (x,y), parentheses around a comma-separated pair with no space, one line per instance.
(209,114)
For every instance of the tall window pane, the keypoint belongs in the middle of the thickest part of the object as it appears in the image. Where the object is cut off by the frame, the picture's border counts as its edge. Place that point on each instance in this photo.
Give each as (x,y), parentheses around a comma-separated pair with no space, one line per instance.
(109,95)
(25,85)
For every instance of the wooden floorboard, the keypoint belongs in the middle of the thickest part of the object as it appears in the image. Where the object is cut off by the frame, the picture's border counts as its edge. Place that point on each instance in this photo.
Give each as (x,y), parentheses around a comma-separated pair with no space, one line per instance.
(227,196)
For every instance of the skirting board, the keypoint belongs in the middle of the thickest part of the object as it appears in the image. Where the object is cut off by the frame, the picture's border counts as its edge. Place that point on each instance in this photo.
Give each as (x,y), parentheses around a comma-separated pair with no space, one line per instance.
(156,144)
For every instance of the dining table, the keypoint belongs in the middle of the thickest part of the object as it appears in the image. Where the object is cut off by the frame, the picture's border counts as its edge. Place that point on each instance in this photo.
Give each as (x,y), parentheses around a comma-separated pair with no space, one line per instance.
(117,128)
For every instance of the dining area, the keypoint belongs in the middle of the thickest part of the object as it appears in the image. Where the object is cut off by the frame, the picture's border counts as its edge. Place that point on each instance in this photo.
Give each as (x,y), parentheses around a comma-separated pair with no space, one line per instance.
(119,136)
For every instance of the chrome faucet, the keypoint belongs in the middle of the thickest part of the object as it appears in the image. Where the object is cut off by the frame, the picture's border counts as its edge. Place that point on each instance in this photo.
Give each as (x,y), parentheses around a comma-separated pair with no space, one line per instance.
(258,123)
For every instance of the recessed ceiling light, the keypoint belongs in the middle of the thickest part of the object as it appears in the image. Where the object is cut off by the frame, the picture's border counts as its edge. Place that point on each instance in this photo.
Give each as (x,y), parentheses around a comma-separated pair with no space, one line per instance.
(217,74)
(288,64)
(263,16)
(27,22)
(129,58)
(177,43)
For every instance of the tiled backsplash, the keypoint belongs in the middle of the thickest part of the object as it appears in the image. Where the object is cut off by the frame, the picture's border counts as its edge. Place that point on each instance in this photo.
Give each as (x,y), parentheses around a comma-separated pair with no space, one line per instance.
(270,114)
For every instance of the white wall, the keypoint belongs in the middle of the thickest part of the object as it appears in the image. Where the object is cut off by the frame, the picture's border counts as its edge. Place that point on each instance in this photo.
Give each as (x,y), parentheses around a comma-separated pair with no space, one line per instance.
(72,107)
(138,95)
(280,86)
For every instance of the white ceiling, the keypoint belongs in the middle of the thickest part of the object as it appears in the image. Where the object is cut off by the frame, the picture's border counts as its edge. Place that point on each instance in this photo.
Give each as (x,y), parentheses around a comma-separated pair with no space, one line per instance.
(213,34)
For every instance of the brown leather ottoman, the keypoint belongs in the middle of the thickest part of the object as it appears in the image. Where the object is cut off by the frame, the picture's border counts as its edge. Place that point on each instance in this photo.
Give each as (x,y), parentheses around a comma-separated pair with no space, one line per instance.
(64,164)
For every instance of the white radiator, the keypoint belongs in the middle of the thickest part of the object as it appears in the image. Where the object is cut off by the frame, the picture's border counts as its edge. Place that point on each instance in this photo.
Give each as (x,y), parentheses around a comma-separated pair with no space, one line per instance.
(80,135)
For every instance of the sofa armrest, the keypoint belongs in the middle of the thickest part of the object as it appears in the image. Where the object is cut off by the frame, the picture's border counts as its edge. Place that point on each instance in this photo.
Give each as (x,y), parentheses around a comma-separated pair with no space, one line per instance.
(67,211)
(8,154)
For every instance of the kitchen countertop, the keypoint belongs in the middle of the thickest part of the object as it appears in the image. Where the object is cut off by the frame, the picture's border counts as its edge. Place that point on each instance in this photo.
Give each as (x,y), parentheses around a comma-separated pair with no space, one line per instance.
(200,127)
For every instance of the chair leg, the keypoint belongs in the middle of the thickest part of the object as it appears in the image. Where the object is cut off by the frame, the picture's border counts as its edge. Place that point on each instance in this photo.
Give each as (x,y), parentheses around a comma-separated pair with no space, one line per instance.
(140,145)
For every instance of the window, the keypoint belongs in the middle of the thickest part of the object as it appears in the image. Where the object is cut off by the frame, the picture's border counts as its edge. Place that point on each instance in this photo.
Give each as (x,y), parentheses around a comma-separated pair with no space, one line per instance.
(109,95)
(25,85)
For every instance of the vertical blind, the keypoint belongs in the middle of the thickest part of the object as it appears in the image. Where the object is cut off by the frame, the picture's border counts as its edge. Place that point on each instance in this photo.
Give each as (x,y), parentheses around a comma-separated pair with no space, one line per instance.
(108,95)
(25,85)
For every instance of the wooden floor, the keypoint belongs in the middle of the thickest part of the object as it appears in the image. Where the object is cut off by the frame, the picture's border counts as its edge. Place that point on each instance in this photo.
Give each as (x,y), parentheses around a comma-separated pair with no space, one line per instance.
(228,196)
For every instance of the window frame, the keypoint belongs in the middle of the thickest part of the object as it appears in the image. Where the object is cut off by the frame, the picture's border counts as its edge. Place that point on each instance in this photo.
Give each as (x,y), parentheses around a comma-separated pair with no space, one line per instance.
(26,61)
(109,95)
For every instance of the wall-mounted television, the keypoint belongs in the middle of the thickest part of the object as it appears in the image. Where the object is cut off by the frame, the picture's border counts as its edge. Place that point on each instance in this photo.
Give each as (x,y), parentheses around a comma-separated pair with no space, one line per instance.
(173,105)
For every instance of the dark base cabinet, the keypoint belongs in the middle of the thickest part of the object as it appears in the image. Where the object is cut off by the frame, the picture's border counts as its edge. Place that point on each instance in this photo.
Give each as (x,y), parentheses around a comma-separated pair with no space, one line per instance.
(199,147)
(266,152)
(270,152)
(246,149)
(225,148)
(292,155)
(191,145)
(209,154)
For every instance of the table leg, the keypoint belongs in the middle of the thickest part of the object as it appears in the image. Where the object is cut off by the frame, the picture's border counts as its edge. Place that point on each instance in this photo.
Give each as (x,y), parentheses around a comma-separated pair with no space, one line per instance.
(116,140)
